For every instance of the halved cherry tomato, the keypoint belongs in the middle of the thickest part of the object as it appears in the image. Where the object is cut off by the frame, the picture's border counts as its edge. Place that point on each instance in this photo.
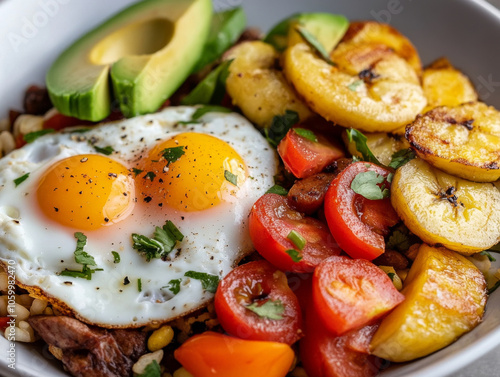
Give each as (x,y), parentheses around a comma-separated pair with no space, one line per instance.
(303,157)
(213,354)
(272,221)
(275,314)
(351,293)
(326,355)
(357,223)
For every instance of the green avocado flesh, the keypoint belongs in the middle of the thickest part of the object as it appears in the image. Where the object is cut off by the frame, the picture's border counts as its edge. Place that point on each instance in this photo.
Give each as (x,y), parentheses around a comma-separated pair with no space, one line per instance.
(146,51)
(327,28)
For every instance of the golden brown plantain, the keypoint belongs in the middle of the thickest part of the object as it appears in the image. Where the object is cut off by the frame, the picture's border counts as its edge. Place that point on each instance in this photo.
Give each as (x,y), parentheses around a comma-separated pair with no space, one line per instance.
(445,210)
(371,88)
(462,140)
(445,296)
(257,87)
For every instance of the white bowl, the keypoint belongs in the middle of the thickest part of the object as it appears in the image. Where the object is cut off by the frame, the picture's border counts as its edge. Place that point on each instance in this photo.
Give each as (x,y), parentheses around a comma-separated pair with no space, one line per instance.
(466,31)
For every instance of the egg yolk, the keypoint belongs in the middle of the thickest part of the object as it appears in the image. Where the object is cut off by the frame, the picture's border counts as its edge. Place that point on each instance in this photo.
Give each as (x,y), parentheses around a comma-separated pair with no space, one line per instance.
(190,172)
(86,192)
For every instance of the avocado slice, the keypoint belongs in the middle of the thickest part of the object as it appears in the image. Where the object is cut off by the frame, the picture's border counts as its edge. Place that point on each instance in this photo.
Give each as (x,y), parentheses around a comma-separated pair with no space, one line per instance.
(327,28)
(148,50)
(225,30)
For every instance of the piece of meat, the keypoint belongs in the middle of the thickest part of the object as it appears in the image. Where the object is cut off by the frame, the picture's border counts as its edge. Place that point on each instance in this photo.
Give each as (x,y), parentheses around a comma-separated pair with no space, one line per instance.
(89,351)
(308,194)
(37,100)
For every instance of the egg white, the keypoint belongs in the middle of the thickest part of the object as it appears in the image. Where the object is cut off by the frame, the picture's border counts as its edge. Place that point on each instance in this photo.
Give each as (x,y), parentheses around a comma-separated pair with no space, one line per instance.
(214,239)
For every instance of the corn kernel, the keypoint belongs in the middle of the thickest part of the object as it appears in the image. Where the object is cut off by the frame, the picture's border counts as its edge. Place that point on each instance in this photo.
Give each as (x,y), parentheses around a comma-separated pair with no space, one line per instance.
(160,338)
(181,372)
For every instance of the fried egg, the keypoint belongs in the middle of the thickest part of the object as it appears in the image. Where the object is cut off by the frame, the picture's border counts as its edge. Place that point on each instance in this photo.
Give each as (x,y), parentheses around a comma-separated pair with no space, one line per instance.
(94,190)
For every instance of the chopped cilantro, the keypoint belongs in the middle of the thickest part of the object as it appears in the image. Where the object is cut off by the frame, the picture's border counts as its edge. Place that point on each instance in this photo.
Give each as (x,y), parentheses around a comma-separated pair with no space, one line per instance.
(314,43)
(354,85)
(367,185)
(277,189)
(401,157)
(294,254)
(208,282)
(150,175)
(209,109)
(116,257)
(297,239)
(176,233)
(162,243)
(21,179)
(174,286)
(211,89)
(151,370)
(81,257)
(361,146)
(280,126)
(306,134)
(230,177)
(270,309)
(32,136)
(139,285)
(106,150)
(136,171)
(490,257)
(173,154)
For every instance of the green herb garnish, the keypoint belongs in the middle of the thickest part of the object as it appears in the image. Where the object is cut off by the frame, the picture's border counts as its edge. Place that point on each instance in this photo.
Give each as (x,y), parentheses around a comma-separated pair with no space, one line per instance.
(391,275)
(294,254)
(173,154)
(136,171)
(208,282)
(297,239)
(150,175)
(230,177)
(280,126)
(270,309)
(209,109)
(152,370)
(367,185)
(401,157)
(32,136)
(116,257)
(21,179)
(139,285)
(81,257)
(277,189)
(487,253)
(162,243)
(174,286)
(306,134)
(361,146)
(106,150)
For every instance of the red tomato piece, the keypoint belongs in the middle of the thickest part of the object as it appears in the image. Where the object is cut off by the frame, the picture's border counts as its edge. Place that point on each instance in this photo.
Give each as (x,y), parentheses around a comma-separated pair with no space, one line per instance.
(303,157)
(356,223)
(4,323)
(260,285)
(213,354)
(351,293)
(326,355)
(272,220)
(59,121)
